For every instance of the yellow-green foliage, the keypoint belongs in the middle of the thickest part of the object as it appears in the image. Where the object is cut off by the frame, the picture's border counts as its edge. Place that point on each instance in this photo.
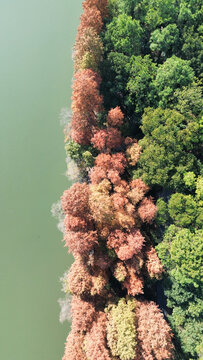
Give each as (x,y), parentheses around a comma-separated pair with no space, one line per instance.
(121,330)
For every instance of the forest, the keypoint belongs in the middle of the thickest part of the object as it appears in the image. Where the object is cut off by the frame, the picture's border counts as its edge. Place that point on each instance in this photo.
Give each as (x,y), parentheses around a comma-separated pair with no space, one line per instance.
(133,217)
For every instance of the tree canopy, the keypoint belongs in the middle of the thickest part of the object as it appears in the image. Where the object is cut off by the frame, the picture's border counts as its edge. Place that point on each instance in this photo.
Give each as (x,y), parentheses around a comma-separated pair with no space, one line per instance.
(133,219)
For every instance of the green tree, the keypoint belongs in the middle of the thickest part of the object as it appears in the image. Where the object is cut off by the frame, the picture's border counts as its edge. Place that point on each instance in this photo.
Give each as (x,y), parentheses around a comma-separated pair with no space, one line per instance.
(164,41)
(182,209)
(192,48)
(115,74)
(170,138)
(174,73)
(123,35)
(189,100)
(181,252)
(140,84)
(162,213)
(161,12)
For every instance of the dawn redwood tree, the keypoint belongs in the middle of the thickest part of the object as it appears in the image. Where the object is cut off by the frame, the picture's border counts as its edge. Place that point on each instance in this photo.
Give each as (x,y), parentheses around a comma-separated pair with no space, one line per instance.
(108,216)
(86,103)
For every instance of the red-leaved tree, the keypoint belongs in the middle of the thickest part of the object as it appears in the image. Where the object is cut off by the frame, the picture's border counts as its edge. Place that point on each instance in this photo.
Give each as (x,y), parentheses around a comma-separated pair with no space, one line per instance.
(86,103)
(107,221)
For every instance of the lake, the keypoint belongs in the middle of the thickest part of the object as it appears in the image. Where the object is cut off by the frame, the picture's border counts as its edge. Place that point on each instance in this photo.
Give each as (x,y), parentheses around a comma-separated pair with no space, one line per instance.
(36,70)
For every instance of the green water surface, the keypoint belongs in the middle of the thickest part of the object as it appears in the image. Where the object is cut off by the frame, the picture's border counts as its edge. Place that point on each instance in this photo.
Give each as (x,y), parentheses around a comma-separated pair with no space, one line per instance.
(36,39)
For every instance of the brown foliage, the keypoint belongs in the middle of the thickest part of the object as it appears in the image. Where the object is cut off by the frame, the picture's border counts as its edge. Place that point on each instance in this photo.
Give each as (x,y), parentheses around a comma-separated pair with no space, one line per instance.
(147,210)
(97,174)
(122,188)
(103,218)
(103,161)
(153,333)
(115,117)
(100,259)
(126,245)
(153,263)
(108,166)
(101,5)
(79,279)
(138,190)
(100,203)
(74,201)
(114,177)
(107,139)
(133,283)
(118,162)
(136,263)
(81,128)
(91,18)
(95,340)
(133,153)
(86,103)
(74,347)
(83,281)
(88,50)
(80,242)
(83,314)
(74,223)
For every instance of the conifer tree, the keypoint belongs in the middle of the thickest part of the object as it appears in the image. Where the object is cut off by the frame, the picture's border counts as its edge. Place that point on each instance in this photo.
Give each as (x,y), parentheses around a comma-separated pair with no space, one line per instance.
(136,113)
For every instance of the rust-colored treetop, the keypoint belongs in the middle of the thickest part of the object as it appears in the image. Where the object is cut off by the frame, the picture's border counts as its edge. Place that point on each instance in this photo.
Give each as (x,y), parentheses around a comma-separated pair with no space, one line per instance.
(107,216)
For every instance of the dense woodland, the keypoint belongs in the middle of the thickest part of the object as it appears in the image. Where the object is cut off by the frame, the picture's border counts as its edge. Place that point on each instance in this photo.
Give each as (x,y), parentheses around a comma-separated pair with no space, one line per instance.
(133,216)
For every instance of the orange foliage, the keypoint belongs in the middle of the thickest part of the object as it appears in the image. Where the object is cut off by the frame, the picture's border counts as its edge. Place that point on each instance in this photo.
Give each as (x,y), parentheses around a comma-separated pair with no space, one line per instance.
(147,210)
(133,153)
(126,245)
(91,18)
(86,103)
(79,236)
(153,333)
(79,279)
(107,162)
(107,139)
(83,314)
(100,204)
(75,200)
(119,202)
(101,5)
(103,161)
(108,166)
(153,263)
(86,98)
(138,190)
(74,223)
(103,218)
(133,283)
(95,341)
(115,117)
(82,282)
(74,347)
(88,50)
(80,242)
(81,129)
(97,174)
(119,162)
(114,177)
